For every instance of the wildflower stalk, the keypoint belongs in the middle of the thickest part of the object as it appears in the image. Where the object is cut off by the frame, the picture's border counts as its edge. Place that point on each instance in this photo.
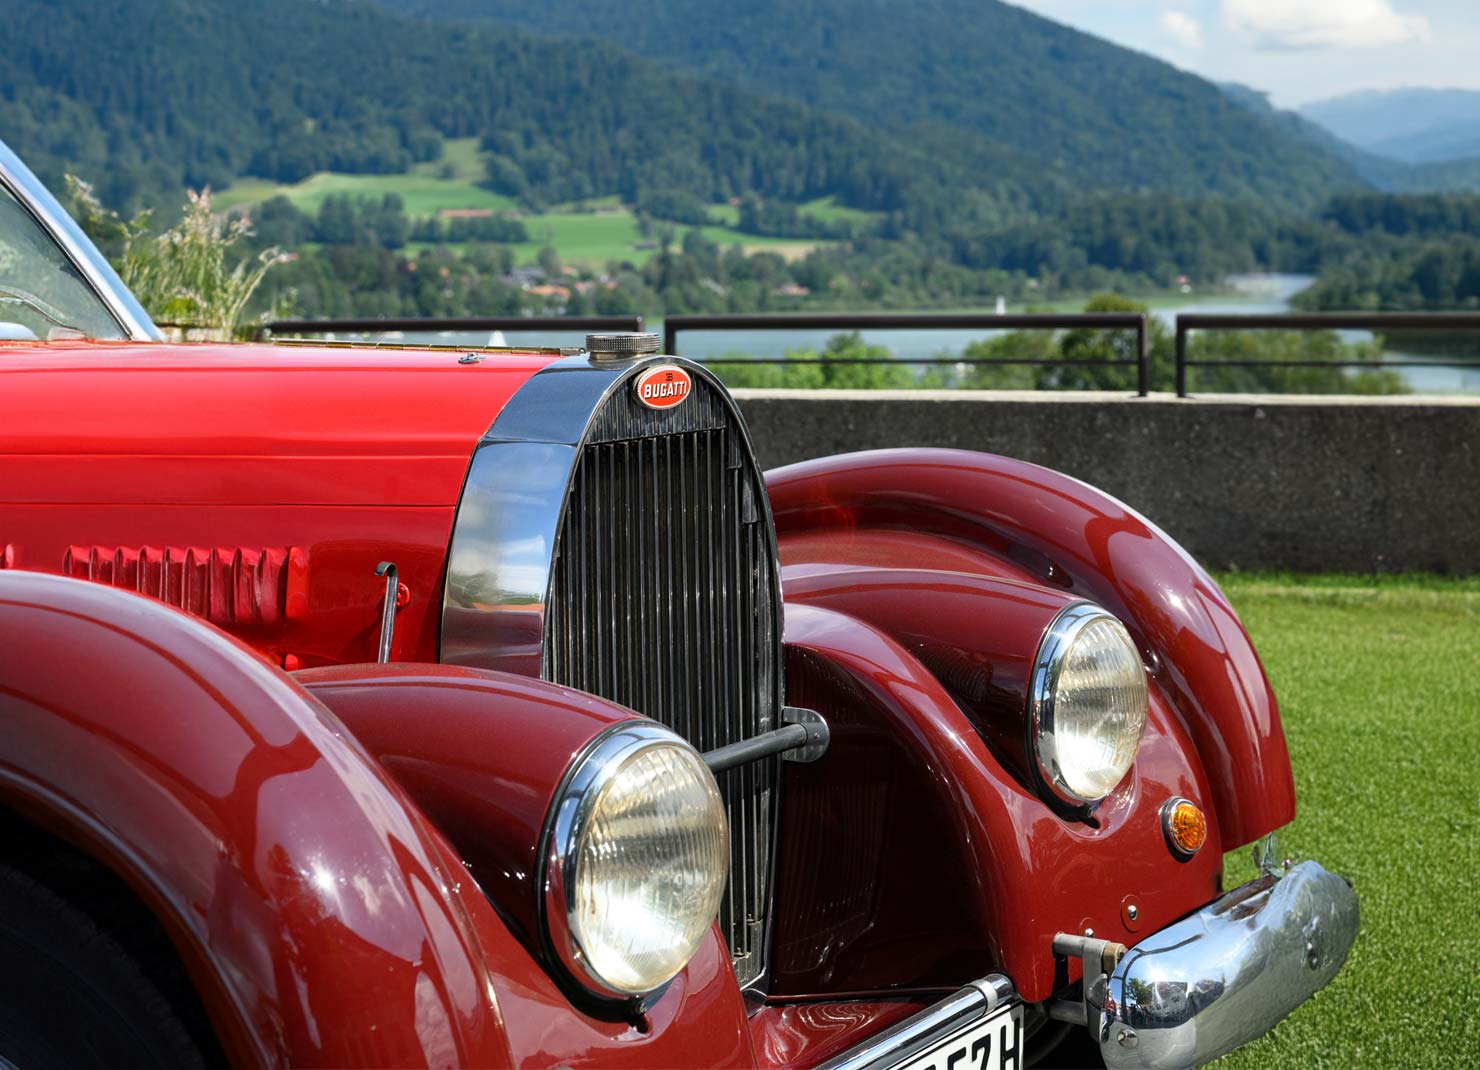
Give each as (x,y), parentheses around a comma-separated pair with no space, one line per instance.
(182,275)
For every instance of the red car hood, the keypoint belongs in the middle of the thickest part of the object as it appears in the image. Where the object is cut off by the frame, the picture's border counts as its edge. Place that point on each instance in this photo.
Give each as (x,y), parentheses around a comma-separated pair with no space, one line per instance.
(286,425)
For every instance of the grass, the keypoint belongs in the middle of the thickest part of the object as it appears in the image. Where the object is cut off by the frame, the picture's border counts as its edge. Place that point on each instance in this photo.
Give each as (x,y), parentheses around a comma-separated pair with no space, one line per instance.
(829,210)
(1379,687)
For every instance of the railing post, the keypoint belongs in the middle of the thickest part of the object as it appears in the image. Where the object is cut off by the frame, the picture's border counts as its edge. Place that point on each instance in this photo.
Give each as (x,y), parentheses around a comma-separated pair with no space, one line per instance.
(670,336)
(1143,370)
(1181,358)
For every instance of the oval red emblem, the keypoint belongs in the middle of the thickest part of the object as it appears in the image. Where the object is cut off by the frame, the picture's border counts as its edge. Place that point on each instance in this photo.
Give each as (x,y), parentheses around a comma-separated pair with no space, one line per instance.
(662,387)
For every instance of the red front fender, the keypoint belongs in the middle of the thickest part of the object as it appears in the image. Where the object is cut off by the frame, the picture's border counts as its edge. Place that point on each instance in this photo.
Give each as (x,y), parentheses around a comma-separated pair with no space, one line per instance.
(911,858)
(482,753)
(975,512)
(318,914)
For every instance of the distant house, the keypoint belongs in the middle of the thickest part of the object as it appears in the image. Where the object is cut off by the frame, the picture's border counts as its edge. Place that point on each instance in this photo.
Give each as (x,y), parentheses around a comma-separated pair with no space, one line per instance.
(465,213)
(791,289)
(550,290)
(524,277)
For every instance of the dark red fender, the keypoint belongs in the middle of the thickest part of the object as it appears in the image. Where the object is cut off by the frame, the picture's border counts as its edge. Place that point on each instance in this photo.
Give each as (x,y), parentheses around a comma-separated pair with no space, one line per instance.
(318,914)
(951,866)
(805,1034)
(952,509)
(323,919)
(482,753)
(976,634)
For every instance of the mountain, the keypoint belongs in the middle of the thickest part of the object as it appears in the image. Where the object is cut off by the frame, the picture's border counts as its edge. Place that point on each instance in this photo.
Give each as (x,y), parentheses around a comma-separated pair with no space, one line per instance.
(146,96)
(1413,125)
(1383,172)
(963,78)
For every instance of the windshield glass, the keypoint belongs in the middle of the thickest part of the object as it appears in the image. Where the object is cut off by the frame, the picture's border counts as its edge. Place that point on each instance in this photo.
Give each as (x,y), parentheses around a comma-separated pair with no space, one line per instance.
(41,294)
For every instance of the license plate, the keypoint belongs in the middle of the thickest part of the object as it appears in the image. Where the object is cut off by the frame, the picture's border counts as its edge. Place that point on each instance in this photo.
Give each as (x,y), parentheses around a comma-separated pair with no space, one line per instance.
(994,1043)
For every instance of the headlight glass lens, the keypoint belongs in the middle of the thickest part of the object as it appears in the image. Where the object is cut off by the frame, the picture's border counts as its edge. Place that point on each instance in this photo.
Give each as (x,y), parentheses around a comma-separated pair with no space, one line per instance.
(1090,704)
(644,863)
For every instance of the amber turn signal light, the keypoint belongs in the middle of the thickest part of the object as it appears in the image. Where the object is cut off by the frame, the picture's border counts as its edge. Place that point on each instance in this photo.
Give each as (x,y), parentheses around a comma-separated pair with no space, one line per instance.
(1186,827)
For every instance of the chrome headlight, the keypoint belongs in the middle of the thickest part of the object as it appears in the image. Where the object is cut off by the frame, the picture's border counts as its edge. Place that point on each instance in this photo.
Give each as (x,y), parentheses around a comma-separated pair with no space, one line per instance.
(636,856)
(1087,704)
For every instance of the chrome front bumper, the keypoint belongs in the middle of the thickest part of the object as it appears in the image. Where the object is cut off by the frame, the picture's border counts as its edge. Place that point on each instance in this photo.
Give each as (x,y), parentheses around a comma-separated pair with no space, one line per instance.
(1227,974)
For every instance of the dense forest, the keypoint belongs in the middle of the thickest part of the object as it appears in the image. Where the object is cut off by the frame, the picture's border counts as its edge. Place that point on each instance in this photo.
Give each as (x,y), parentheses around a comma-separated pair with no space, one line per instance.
(981,82)
(146,98)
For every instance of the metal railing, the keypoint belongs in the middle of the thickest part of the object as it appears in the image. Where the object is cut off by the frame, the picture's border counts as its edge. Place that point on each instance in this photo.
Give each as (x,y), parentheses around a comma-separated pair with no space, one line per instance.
(1325,321)
(1134,322)
(1126,321)
(436,325)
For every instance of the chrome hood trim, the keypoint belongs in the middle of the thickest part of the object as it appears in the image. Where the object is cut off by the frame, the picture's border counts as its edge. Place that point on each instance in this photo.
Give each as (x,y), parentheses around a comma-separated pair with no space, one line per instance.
(1227,974)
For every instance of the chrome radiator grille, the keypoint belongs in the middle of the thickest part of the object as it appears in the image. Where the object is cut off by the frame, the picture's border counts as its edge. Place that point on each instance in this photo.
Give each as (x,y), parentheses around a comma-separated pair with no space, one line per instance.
(663,598)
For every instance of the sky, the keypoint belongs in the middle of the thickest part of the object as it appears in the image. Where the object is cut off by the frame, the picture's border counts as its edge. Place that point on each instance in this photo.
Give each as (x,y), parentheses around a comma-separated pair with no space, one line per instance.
(1296,50)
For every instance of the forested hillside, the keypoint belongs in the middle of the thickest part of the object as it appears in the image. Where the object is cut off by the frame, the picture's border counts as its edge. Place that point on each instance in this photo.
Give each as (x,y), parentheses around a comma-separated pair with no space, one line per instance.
(149,97)
(966,77)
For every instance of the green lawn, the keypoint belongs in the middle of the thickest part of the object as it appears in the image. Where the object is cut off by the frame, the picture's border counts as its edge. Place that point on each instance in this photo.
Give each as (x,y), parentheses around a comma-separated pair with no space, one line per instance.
(1379,688)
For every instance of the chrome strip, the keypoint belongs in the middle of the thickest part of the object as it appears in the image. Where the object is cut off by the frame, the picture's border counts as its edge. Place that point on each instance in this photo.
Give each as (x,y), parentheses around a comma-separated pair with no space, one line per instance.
(99,275)
(388,609)
(935,1023)
(1227,974)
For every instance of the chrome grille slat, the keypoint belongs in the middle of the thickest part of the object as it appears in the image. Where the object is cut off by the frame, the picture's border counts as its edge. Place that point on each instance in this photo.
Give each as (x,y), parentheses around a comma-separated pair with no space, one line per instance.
(663,598)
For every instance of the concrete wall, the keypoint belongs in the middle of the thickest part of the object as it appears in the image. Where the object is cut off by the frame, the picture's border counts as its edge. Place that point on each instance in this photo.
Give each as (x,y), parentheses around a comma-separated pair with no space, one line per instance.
(1322,484)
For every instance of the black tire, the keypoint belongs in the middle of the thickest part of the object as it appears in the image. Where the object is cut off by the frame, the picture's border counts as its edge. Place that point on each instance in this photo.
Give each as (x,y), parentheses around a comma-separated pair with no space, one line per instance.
(71,998)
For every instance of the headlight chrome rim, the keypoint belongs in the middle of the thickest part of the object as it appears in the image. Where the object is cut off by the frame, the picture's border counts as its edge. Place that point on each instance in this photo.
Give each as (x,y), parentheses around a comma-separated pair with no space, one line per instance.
(1048,665)
(570,816)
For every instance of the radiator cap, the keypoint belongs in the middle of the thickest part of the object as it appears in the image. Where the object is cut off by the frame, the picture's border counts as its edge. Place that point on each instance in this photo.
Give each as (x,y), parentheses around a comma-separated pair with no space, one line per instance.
(623,345)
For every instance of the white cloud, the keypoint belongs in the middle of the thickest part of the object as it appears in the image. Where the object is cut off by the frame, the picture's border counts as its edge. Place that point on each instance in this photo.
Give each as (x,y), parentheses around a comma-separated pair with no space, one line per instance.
(1182,28)
(1304,24)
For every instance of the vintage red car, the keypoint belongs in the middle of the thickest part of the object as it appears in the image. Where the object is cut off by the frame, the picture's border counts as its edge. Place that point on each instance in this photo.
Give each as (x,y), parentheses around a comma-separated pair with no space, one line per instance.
(379,706)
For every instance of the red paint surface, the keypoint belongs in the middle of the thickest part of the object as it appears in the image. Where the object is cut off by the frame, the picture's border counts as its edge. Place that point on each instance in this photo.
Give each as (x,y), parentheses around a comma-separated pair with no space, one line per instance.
(310,902)
(977,512)
(480,752)
(351,456)
(976,634)
(910,856)
(803,1035)
(281,425)
(324,920)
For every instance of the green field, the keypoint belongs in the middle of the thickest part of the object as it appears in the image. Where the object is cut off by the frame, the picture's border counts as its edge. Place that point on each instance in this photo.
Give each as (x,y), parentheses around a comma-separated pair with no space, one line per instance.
(1379,688)
(451,182)
(590,233)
